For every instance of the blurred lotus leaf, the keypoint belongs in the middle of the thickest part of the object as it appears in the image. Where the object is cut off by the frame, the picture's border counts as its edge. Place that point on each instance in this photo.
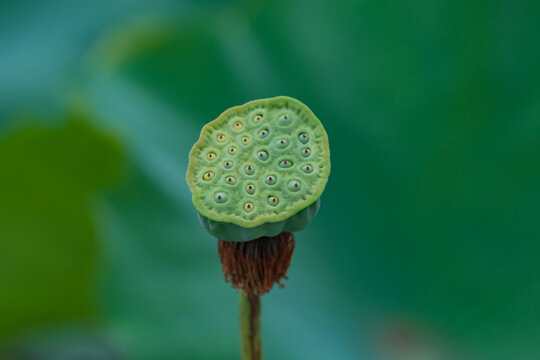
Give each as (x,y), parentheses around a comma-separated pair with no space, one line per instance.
(48,247)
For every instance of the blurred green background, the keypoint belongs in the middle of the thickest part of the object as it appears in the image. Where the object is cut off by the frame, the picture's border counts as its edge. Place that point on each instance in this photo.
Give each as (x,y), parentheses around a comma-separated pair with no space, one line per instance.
(427,244)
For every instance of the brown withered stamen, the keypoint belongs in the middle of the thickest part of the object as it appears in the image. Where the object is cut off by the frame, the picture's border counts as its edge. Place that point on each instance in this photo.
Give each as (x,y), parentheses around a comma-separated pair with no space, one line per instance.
(255,266)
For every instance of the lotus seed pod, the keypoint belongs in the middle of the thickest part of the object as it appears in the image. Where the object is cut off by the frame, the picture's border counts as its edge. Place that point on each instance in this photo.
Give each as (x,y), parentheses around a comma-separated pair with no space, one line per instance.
(259,169)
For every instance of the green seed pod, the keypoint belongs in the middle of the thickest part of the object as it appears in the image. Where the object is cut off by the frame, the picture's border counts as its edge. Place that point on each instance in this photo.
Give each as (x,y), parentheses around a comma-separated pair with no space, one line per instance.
(273,163)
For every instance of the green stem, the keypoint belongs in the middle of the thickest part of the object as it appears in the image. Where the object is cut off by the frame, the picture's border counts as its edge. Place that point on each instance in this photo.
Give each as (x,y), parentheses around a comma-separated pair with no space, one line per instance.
(250,326)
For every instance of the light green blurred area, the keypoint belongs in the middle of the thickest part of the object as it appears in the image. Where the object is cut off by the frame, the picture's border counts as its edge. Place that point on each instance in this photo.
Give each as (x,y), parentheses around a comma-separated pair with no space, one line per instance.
(427,244)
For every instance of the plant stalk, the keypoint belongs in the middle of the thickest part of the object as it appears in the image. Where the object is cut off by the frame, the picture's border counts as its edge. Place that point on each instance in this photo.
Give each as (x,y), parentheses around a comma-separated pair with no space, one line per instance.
(250,326)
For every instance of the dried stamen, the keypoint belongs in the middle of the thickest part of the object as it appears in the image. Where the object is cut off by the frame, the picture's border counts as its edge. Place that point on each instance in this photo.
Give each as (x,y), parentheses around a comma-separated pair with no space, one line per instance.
(255,266)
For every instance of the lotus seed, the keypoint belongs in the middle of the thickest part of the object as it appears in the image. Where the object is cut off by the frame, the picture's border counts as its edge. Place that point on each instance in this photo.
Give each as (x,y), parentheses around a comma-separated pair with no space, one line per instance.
(306,152)
(272,200)
(237,125)
(211,156)
(221,138)
(304,138)
(249,170)
(228,164)
(286,164)
(284,120)
(230,180)
(208,175)
(232,151)
(282,143)
(307,169)
(263,134)
(248,207)
(294,185)
(262,155)
(250,189)
(245,141)
(220,197)
(271,180)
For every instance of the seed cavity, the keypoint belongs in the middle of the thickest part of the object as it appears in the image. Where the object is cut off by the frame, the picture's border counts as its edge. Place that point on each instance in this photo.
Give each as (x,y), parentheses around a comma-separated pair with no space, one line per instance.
(250,189)
(262,155)
(211,156)
(231,180)
(249,170)
(208,176)
(228,164)
(273,201)
(308,169)
(220,197)
(294,185)
(271,179)
(220,138)
(306,152)
(285,164)
(263,134)
(248,207)
(282,143)
(304,138)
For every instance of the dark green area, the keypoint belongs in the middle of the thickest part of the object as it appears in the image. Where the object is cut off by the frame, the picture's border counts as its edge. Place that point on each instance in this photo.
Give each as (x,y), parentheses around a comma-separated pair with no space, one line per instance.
(48,248)
(427,241)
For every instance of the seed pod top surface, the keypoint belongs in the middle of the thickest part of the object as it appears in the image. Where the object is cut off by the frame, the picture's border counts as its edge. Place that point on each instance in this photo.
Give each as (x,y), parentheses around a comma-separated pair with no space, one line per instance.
(261,162)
